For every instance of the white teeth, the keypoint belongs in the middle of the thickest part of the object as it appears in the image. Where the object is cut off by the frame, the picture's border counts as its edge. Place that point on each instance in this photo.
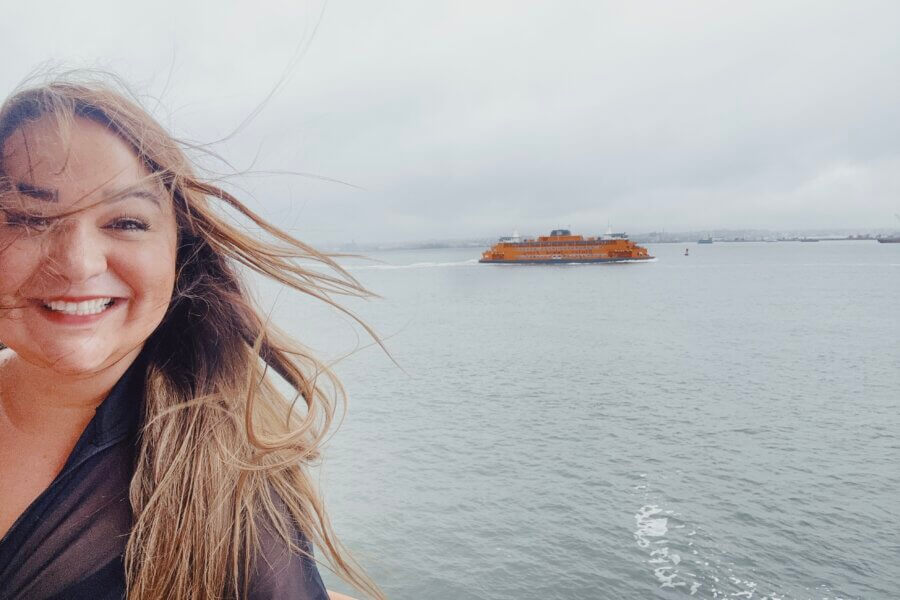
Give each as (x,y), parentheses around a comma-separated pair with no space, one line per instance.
(88,307)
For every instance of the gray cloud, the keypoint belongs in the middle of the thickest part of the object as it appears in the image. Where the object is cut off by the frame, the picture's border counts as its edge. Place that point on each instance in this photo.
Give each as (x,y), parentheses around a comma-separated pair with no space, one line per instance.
(468,119)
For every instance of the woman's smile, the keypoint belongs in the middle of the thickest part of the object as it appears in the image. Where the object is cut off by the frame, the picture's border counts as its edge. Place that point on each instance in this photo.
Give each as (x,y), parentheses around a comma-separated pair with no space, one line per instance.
(78,311)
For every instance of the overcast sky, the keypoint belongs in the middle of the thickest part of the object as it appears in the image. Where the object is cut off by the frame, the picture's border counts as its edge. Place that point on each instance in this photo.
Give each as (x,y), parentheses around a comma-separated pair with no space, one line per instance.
(462,119)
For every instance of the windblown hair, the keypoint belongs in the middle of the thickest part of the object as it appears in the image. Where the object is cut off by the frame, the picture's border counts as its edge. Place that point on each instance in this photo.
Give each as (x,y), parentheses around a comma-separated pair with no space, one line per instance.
(222,452)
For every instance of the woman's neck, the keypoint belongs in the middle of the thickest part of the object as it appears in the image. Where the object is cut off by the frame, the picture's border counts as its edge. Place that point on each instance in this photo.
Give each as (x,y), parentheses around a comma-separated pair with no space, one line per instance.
(35,398)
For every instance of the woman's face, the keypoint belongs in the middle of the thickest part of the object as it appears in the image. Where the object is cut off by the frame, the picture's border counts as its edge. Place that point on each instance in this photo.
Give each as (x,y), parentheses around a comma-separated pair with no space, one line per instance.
(87,248)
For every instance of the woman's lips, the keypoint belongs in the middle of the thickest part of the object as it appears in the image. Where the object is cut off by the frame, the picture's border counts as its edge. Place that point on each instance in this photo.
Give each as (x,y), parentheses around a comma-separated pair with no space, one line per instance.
(78,311)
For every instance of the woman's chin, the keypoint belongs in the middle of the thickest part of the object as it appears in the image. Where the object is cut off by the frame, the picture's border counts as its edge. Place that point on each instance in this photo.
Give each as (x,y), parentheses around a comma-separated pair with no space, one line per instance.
(73,366)
(75,361)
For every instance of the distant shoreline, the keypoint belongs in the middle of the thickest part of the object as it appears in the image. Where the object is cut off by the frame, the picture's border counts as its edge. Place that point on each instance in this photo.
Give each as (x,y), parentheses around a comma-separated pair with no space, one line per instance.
(640,238)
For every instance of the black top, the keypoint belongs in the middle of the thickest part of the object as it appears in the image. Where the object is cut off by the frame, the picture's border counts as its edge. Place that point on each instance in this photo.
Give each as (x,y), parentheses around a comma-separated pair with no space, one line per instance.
(70,542)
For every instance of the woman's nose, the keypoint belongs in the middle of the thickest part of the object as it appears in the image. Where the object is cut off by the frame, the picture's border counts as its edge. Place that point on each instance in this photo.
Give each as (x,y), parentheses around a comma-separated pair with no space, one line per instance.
(75,254)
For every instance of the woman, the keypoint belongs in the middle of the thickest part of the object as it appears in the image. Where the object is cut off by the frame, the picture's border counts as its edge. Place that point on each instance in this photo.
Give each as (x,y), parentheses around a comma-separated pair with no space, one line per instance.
(144,445)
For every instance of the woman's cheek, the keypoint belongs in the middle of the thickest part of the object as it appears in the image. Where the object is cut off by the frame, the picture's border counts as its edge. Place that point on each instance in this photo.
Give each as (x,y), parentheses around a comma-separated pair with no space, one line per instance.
(18,264)
(150,274)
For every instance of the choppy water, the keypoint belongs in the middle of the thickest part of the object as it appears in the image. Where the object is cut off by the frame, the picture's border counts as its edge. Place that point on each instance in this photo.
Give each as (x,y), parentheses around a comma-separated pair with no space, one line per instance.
(723,425)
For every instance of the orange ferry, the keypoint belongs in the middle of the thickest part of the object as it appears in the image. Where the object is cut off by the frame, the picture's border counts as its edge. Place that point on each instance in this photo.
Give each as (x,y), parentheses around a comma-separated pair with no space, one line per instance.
(563,247)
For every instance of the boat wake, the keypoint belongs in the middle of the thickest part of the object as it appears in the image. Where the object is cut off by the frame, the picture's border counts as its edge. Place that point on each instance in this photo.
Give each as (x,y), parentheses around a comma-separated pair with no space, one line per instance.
(679,562)
(651,527)
(685,560)
(418,265)
(640,261)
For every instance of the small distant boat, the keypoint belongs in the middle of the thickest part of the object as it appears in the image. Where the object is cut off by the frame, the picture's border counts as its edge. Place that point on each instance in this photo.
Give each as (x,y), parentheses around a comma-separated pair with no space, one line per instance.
(890,239)
(563,247)
(807,239)
(706,240)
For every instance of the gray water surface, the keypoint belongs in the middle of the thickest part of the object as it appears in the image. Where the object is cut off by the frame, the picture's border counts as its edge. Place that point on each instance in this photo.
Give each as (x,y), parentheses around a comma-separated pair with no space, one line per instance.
(723,425)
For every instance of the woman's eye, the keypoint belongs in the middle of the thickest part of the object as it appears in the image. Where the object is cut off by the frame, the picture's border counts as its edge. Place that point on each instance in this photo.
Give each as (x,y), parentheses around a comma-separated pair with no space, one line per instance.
(26,221)
(129,224)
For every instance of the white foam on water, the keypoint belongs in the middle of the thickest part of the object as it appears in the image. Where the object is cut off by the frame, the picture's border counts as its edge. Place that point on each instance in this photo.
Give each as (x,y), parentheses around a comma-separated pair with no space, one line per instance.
(640,260)
(650,534)
(672,571)
(418,265)
(666,577)
(649,525)
(389,267)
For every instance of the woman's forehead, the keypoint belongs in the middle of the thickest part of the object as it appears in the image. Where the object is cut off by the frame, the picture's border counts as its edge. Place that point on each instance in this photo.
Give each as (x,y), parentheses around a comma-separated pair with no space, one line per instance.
(82,160)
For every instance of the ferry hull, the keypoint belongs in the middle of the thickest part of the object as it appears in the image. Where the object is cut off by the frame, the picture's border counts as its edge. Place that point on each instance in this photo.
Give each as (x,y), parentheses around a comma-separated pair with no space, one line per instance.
(563,261)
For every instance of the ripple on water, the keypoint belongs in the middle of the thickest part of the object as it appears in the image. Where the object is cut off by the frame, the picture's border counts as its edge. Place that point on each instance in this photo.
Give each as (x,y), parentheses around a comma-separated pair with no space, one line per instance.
(682,566)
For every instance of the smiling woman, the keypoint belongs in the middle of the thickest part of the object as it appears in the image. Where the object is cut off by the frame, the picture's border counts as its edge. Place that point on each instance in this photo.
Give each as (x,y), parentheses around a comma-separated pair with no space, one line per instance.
(89,248)
(144,447)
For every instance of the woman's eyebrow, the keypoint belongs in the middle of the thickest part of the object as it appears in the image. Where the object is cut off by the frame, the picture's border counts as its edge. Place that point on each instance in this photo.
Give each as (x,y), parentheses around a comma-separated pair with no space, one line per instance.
(50,195)
(140,190)
(39,193)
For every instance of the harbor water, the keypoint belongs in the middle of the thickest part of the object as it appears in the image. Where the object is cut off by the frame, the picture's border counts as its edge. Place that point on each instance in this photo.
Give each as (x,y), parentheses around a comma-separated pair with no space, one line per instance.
(719,425)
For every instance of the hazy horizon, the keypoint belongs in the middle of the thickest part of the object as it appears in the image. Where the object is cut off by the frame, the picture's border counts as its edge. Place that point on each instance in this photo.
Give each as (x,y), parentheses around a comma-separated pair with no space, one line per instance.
(456,121)
(716,232)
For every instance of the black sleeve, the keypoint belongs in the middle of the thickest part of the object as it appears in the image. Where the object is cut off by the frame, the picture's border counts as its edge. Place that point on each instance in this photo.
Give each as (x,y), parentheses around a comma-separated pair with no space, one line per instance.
(278,573)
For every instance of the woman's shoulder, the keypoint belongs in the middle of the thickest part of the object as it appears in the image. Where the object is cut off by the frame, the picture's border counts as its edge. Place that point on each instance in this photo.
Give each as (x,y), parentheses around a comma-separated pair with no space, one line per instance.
(284,568)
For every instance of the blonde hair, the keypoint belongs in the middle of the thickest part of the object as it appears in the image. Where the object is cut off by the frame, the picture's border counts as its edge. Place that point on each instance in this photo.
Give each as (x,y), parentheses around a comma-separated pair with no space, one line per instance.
(222,453)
